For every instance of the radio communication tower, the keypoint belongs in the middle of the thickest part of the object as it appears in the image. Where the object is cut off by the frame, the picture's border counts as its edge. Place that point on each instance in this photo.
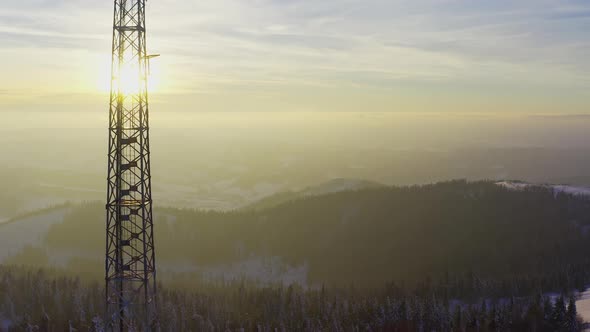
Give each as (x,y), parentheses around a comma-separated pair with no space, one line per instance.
(130,272)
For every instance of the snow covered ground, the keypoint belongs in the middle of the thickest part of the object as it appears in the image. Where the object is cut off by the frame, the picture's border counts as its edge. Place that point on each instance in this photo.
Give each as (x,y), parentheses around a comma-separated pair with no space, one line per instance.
(557,188)
(17,234)
(28,231)
(583,306)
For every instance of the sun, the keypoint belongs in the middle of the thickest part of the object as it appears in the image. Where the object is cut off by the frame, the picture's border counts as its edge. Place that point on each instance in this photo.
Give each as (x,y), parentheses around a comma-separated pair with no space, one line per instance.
(128,81)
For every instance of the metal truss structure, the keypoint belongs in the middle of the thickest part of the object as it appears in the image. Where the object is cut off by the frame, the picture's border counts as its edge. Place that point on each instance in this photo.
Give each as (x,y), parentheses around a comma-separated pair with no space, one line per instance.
(130,259)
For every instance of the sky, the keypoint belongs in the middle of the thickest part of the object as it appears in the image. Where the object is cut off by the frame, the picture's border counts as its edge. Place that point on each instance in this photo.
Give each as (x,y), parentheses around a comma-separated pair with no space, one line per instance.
(526,56)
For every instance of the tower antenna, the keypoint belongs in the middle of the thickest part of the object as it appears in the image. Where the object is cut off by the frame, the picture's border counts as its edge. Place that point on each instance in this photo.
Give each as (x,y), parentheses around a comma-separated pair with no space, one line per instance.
(130,272)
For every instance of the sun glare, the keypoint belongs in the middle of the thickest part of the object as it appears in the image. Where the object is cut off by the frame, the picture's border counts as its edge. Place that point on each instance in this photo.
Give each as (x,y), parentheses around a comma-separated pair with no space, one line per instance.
(128,81)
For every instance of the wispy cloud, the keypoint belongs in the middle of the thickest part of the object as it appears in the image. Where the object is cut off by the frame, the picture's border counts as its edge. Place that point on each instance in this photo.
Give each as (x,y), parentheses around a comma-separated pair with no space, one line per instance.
(285,45)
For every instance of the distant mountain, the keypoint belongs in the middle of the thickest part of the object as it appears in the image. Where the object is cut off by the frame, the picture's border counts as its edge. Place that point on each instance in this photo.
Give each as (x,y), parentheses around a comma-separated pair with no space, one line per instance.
(363,237)
(332,186)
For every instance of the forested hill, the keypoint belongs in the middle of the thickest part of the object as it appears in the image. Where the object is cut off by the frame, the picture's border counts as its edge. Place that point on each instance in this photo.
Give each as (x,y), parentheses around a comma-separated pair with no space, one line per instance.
(376,235)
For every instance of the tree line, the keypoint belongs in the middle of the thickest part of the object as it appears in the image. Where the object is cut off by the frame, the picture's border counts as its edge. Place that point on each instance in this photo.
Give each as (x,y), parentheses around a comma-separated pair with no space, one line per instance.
(47,300)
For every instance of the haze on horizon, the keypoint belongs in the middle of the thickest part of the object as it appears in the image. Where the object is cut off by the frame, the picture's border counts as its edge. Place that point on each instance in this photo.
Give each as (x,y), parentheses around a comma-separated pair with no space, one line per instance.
(252,98)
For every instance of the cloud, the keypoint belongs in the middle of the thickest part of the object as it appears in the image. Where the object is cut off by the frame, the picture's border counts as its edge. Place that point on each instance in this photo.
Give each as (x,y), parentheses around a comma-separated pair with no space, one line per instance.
(362,44)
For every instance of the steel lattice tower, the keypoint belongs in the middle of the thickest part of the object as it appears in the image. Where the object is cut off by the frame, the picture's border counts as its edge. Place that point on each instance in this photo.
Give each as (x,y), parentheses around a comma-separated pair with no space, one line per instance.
(130,260)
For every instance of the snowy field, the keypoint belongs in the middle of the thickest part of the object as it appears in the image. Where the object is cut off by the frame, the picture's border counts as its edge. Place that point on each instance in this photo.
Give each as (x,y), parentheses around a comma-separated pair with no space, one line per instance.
(28,231)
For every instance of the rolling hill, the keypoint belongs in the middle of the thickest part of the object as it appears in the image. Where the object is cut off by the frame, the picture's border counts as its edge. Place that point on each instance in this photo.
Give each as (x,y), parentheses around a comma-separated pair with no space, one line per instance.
(367,237)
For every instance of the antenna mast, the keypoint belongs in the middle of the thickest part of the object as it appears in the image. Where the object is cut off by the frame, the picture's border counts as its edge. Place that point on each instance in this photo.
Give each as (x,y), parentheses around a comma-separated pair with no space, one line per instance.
(130,261)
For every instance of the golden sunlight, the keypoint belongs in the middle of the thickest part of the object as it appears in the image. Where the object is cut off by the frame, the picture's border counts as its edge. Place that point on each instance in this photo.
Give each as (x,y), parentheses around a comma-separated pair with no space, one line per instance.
(128,82)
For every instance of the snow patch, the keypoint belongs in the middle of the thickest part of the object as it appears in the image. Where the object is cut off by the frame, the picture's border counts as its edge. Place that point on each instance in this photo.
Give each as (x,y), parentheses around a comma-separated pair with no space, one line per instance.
(557,188)
(513,185)
(577,191)
(28,231)
(583,305)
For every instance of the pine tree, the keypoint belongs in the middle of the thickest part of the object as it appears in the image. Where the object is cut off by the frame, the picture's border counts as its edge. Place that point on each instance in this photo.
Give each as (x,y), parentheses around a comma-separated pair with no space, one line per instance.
(493,318)
(547,310)
(458,318)
(572,316)
(558,317)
